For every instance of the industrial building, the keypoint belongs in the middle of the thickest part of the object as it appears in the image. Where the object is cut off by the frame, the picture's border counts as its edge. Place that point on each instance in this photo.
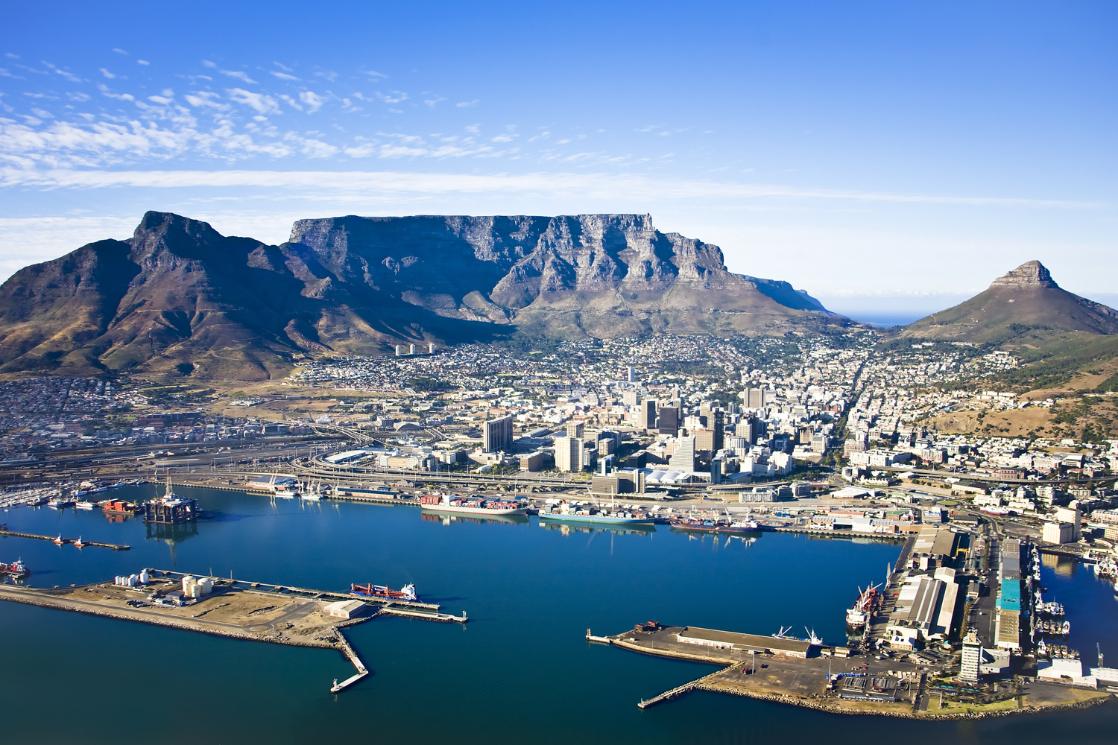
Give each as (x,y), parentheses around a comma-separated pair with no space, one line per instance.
(1007,625)
(926,609)
(735,641)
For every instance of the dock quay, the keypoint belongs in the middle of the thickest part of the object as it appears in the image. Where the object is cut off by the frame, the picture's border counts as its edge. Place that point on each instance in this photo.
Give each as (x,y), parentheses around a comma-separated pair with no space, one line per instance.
(825,533)
(808,674)
(263,612)
(64,541)
(395,607)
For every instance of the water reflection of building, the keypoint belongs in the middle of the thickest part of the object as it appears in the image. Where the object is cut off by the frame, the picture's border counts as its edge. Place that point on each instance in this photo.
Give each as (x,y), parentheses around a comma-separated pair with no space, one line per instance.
(171,532)
(1061,565)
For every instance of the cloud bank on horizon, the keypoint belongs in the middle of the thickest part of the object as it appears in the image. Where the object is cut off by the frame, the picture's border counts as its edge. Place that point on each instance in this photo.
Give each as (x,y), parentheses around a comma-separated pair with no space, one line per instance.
(926,151)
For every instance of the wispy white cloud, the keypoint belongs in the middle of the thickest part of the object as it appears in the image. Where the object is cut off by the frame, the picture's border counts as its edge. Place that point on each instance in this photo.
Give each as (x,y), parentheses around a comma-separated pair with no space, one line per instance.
(602,183)
(311,100)
(206,99)
(105,73)
(282,75)
(467,104)
(63,73)
(258,102)
(393,98)
(240,75)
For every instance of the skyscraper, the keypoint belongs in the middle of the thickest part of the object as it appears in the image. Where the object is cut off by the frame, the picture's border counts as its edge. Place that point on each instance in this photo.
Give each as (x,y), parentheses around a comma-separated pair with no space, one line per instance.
(971,665)
(648,413)
(498,435)
(568,454)
(667,420)
(683,458)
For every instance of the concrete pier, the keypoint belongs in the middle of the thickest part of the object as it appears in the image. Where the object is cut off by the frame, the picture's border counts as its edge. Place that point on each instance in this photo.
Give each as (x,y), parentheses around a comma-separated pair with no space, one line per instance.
(351,655)
(65,541)
(255,611)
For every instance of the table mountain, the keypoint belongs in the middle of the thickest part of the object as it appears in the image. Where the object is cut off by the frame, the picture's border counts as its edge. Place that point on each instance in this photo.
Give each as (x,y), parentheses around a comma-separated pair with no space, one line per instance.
(178,296)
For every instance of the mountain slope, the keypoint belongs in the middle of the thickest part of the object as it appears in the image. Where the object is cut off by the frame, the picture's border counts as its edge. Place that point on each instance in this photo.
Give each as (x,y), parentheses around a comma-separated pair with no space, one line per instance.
(179,297)
(1023,305)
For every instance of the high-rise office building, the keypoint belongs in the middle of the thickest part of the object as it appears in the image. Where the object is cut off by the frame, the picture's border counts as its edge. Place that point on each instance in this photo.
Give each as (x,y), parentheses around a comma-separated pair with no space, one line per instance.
(683,458)
(667,420)
(648,413)
(971,666)
(568,454)
(498,435)
(755,398)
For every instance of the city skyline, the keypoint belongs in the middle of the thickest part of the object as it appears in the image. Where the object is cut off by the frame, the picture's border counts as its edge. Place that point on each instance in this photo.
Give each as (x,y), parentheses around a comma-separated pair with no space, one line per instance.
(872,156)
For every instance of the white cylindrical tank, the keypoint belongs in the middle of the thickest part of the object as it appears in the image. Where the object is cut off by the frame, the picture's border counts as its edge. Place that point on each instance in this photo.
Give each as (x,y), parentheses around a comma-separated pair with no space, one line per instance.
(144,577)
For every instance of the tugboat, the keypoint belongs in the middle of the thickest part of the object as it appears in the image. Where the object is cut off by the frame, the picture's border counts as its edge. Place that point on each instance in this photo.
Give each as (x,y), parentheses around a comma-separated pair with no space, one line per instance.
(407,592)
(15,570)
(59,541)
(80,543)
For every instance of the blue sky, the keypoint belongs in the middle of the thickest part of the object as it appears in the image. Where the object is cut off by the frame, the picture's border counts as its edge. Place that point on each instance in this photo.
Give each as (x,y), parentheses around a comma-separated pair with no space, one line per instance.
(869,152)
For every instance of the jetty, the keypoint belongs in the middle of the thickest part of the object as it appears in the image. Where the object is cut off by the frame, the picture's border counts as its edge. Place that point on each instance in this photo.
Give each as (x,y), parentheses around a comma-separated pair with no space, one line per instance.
(703,683)
(809,674)
(63,541)
(239,609)
(388,606)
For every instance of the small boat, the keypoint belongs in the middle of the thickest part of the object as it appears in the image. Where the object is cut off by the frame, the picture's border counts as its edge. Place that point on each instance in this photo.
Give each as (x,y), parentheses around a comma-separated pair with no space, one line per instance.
(58,541)
(84,504)
(80,543)
(15,570)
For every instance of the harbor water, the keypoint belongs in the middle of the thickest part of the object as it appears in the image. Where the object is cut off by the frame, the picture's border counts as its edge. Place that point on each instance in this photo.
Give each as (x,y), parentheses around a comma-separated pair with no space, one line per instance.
(519,672)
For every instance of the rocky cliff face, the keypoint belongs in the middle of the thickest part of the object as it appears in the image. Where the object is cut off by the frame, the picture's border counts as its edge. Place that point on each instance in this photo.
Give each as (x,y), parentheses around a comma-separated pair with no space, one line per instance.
(181,297)
(599,275)
(1029,274)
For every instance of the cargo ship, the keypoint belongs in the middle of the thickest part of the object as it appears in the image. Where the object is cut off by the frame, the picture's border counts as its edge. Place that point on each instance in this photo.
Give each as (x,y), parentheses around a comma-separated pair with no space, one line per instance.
(565,513)
(720,525)
(15,570)
(470,505)
(864,608)
(407,592)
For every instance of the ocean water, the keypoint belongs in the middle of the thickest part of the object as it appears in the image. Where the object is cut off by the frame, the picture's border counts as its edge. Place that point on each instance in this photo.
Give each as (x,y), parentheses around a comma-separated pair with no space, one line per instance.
(519,672)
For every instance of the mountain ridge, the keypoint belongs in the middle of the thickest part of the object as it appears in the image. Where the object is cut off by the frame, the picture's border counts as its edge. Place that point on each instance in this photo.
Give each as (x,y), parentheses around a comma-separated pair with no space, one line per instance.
(180,297)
